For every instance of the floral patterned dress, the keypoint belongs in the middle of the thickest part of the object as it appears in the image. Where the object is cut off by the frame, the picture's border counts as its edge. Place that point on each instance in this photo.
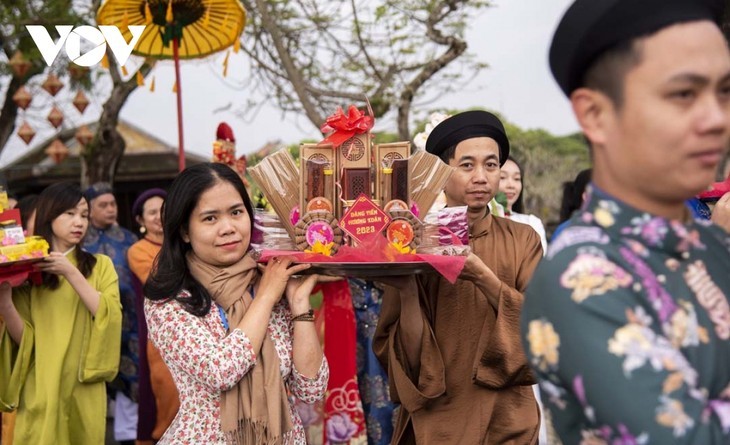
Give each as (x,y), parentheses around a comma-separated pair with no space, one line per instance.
(627,325)
(204,362)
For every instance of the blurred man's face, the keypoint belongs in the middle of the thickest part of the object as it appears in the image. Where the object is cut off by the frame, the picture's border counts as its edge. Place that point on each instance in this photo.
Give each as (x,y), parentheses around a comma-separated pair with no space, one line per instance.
(103,211)
(664,144)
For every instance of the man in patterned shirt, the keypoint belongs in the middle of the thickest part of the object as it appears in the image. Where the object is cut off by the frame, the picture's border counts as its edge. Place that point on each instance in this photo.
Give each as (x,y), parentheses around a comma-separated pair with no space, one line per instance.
(626,321)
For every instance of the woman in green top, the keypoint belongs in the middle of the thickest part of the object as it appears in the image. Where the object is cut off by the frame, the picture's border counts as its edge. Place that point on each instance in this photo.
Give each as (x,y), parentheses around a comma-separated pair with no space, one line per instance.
(61,340)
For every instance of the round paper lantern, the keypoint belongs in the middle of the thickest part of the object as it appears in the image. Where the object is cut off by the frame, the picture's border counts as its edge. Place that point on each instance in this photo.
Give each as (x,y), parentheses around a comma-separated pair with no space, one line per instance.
(22,98)
(26,133)
(52,84)
(57,151)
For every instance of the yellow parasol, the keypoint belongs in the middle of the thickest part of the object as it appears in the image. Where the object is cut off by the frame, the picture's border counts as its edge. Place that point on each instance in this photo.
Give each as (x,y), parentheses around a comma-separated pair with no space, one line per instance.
(177,29)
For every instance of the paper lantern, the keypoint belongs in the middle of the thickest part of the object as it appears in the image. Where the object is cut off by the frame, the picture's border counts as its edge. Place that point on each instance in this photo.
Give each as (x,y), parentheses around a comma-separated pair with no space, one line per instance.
(52,85)
(55,117)
(80,101)
(22,98)
(84,135)
(57,151)
(26,133)
(77,72)
(19,64)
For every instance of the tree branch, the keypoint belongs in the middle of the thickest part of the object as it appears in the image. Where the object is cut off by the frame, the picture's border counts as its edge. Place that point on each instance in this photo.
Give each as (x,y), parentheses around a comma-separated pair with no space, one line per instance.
(298,83)
(363,47)
(456,48)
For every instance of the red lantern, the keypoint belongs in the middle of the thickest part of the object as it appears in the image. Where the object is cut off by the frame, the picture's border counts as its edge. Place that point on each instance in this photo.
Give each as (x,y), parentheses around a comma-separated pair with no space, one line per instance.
(81,101)
(52,84)
(26,133)
(22,98)
(55,117)
(84,135)
(19,65)
(57,151)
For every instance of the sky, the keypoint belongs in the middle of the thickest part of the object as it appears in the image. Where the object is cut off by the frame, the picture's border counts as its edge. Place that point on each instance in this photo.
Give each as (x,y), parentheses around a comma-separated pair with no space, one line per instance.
(512,38)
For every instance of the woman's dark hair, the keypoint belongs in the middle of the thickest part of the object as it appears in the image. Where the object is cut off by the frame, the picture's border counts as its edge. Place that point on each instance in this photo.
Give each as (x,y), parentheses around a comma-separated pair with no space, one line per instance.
(27,205)
(573,194)
(52,202)
(170,274)
(518,206)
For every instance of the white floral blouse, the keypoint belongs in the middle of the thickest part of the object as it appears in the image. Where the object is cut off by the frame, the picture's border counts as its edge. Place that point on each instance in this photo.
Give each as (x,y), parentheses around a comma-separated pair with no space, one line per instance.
(204,362)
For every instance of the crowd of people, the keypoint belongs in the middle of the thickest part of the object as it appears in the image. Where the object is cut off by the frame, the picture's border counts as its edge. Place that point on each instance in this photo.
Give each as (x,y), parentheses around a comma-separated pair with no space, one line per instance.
(622,321)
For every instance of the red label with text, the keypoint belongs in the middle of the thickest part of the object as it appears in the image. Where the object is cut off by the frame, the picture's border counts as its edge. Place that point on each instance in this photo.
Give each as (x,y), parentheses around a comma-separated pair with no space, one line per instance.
(364,220)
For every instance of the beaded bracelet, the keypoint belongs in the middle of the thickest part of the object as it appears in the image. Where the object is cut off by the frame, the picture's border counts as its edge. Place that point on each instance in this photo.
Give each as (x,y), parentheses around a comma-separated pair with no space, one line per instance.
(307,316)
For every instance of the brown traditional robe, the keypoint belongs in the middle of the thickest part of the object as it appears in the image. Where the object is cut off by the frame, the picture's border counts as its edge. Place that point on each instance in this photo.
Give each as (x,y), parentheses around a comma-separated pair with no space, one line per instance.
(473,382)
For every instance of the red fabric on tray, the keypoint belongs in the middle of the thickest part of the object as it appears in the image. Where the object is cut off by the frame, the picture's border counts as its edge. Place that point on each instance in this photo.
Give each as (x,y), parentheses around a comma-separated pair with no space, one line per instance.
(380,251)
(17,274)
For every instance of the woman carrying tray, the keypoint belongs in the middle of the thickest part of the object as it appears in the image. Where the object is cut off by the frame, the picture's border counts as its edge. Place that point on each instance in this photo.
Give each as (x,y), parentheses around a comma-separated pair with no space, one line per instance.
(233,345)
(62,339)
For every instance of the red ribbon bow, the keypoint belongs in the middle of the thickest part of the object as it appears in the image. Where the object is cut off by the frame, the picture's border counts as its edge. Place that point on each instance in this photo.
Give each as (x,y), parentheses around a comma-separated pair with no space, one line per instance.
(344,126)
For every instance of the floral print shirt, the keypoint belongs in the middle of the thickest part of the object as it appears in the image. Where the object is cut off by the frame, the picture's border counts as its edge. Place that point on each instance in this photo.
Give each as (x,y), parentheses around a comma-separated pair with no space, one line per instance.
(205,361)
(627,325)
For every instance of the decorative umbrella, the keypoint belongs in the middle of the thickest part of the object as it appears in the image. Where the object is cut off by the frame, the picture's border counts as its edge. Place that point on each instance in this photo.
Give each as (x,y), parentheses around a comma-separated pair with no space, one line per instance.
(177,29)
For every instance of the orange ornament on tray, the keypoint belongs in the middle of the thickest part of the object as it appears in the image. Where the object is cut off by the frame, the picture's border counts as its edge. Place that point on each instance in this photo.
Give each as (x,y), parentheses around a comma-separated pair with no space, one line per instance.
(400,231)
(320,204)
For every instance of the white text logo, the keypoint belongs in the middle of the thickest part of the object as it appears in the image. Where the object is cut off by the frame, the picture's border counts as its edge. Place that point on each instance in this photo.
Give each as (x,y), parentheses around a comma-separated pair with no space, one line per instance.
(98,38)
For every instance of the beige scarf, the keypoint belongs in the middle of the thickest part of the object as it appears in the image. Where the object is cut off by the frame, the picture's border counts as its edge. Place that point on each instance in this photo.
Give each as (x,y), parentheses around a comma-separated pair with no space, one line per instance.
(256,410)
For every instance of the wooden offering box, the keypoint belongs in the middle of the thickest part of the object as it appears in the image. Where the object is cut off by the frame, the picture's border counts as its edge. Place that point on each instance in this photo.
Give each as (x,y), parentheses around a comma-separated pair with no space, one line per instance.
(391,171)
(353,160)
(318,168)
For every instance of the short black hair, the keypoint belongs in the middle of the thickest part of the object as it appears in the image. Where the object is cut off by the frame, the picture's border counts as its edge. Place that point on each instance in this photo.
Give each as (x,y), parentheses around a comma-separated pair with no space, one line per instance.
(170,275)
(608,72)
(448,154)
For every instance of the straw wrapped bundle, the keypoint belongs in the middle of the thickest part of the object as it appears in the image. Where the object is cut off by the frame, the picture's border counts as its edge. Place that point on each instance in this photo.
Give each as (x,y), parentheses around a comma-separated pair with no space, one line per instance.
(428,176)
(278,177)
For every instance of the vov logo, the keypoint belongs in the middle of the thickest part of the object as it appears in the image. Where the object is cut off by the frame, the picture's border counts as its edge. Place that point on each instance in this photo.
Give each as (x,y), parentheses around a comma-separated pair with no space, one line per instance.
(99,38)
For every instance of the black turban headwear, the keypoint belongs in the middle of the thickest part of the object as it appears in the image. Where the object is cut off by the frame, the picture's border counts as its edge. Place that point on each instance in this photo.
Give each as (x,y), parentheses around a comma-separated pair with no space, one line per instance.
(97,189)
(590,27)
(138,205)
(468,125)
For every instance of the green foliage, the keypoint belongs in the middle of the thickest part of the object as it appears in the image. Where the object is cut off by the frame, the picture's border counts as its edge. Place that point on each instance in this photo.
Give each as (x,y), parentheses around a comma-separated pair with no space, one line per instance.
(386,138)
(547,162)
